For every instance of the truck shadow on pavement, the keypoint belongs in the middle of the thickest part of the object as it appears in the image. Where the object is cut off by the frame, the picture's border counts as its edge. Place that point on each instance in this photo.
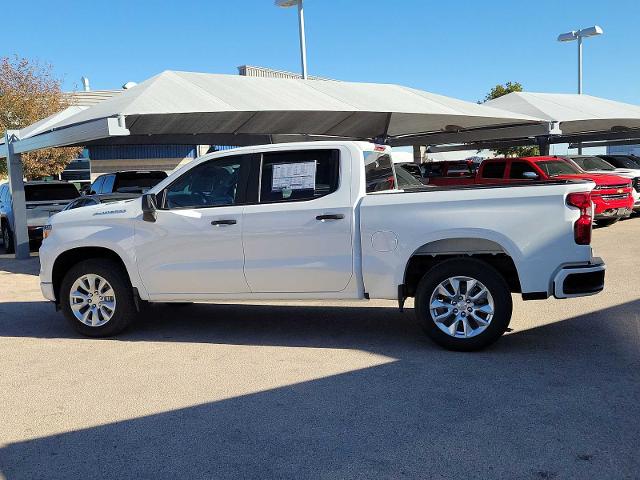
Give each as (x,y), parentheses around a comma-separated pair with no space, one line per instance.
(557,401)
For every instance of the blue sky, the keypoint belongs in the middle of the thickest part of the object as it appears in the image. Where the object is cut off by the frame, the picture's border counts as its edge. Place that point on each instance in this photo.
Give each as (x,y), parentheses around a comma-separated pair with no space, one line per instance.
(458,48)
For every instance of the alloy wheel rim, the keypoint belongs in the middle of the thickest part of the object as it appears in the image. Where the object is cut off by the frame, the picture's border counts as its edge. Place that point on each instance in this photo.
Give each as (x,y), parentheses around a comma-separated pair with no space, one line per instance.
(92,300)
(462,307)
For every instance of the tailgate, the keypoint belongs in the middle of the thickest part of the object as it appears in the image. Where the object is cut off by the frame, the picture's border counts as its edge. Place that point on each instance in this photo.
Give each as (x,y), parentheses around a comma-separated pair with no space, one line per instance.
(38,213)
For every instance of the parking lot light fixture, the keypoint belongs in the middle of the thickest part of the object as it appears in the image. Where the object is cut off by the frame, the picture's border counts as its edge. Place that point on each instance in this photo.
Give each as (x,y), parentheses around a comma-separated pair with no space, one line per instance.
(303,45)
(579,35)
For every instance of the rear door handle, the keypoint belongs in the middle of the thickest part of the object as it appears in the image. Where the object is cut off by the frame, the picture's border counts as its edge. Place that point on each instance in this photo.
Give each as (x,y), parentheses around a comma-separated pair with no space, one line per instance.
(224,222)
(331,216)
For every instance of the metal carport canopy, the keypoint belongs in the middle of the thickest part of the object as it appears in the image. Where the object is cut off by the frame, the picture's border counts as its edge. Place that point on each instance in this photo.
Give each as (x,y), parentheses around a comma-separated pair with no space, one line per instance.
(579,118)
(576,113)
(193,108)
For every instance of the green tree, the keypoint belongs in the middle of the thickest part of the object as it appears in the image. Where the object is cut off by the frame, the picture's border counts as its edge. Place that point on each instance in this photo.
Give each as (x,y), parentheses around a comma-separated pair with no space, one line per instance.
(496,92)
(29,92)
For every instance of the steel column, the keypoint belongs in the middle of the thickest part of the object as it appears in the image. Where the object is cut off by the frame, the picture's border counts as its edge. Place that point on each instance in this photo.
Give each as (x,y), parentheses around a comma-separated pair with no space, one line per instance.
(16,186)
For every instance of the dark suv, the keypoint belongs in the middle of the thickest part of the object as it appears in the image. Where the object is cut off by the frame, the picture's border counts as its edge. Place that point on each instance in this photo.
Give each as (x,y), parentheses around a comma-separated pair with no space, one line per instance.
(126,182)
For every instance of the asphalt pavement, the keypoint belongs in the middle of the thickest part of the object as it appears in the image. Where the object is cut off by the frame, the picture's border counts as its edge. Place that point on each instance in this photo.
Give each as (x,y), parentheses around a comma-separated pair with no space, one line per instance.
(324,390)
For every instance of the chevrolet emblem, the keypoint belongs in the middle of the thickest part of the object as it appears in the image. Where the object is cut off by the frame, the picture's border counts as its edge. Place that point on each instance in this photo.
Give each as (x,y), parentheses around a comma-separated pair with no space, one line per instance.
(620,190)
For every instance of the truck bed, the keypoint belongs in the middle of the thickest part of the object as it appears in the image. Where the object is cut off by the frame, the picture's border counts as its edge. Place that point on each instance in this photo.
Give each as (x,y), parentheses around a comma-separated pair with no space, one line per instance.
(527,221)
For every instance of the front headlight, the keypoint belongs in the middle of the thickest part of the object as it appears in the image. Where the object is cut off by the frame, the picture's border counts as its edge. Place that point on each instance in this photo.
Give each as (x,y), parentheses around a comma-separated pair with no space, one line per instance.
(46,231)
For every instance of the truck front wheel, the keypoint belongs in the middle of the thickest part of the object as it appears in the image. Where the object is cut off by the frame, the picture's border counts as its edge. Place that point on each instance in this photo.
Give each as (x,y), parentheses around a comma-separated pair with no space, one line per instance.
(463,304)
(96,298)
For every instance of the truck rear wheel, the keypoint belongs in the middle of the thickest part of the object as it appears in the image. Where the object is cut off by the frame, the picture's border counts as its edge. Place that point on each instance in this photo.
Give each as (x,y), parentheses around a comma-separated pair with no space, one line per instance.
(97,299)
(463,304)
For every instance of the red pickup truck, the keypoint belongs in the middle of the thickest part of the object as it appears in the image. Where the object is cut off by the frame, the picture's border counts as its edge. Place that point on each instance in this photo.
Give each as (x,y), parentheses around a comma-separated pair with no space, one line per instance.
(612,197)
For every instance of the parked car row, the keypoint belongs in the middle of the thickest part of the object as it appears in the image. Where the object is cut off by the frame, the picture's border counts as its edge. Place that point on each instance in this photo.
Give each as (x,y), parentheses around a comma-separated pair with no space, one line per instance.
(617,178)
(44,199)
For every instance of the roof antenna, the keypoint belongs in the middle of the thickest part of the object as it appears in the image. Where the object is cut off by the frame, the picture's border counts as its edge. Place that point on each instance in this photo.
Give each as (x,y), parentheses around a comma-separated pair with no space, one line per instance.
(85,84)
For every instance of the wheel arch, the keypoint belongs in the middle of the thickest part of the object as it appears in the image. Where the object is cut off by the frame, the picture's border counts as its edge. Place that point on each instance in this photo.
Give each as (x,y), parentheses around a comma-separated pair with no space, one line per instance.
(71,257)
(428,255)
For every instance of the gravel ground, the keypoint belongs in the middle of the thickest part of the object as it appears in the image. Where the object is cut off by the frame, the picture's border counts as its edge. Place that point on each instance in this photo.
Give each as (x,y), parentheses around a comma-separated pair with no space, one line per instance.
(324,390)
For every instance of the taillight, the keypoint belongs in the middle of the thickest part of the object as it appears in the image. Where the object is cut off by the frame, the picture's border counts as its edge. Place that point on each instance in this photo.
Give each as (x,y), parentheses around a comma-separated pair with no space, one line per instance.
(582,227)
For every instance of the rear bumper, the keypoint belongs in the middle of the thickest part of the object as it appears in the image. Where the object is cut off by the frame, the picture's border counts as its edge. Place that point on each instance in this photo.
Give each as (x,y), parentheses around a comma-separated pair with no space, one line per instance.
(579,280)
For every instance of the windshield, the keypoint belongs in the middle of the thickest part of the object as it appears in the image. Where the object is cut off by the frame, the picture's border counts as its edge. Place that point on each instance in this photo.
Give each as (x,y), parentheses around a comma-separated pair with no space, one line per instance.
(553,168)
(593,163)
(44,192)
(621,161)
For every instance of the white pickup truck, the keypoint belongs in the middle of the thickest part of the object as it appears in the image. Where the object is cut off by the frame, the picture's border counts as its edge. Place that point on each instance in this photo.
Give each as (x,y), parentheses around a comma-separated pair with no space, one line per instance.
(323,220)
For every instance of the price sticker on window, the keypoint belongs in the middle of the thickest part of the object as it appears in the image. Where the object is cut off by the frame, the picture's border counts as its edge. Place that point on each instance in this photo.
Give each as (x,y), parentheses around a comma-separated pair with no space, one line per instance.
(293,176)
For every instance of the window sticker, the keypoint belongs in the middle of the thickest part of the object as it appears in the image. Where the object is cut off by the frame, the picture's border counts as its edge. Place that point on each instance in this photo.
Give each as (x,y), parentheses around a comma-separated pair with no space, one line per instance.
(293,176)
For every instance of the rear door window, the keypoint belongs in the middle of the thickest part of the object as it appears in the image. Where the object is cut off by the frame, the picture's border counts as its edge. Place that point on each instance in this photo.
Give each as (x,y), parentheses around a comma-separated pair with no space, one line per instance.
(299,175)
(494,169)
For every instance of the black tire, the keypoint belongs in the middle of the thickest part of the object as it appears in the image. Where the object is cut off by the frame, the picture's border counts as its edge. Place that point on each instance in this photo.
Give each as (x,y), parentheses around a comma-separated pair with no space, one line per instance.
(607,222)
(485,274)
(7,239)
(125,308)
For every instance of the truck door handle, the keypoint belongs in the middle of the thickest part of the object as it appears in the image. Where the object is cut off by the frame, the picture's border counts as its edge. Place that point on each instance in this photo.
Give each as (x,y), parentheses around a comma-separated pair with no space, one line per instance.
(224,222)
(331,216)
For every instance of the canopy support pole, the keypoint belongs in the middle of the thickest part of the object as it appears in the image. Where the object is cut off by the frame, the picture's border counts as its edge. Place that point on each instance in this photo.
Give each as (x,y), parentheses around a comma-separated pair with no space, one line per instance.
(543,145)
(19,206)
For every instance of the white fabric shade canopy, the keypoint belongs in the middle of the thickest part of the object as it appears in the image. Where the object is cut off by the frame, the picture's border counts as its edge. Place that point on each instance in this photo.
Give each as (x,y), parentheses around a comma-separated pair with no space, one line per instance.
(576,114)
(187,107)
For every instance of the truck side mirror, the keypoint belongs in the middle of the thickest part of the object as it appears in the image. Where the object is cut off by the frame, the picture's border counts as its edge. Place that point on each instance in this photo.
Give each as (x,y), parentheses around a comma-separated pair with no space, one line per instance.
(149,207)
(530,175)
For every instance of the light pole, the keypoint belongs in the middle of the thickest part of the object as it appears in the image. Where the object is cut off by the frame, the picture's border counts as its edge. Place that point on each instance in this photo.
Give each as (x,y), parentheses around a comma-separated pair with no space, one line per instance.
(579,35)
(303,45)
